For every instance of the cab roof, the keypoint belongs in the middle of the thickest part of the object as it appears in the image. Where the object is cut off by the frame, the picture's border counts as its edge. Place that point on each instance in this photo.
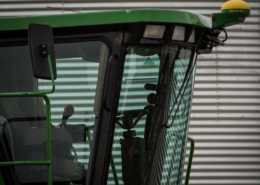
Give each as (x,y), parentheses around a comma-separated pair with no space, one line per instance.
(107,17)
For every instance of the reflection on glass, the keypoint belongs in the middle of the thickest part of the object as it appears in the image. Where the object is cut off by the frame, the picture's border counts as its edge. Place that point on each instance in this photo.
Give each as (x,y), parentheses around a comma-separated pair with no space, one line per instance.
(144,151)
(74,105)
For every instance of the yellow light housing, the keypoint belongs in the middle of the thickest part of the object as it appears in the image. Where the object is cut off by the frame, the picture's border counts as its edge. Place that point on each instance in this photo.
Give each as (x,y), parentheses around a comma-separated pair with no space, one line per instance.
(232,12)
(235,4)
(238,7)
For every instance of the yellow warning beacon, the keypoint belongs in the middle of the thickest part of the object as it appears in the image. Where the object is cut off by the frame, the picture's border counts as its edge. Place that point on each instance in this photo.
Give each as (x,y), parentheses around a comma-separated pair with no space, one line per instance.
(232,12)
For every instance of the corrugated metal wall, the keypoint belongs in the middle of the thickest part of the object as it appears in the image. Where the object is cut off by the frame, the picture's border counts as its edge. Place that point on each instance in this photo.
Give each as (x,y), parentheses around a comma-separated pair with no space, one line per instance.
(225,119)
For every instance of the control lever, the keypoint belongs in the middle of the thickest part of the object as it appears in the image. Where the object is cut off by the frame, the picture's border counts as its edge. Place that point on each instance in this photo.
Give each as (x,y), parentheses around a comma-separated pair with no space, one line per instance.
(68,112)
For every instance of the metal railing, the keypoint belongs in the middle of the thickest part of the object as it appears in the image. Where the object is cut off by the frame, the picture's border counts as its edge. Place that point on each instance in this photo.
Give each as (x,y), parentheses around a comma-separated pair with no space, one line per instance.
(187,177)
(111,159)
(48,125)
(192,146)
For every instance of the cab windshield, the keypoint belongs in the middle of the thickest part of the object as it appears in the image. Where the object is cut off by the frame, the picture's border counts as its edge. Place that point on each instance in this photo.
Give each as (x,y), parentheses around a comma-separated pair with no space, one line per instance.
(153,115)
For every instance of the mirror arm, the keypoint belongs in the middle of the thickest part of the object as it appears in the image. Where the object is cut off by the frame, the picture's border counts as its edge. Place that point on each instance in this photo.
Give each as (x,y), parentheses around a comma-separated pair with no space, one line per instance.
(52,76)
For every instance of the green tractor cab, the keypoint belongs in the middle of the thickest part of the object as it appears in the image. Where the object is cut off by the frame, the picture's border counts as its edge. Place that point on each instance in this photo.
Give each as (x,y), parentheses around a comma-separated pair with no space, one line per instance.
(103,97)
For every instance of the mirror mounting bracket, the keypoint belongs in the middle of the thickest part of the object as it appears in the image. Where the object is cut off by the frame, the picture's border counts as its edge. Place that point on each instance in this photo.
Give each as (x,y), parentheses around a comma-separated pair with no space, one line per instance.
(46,49)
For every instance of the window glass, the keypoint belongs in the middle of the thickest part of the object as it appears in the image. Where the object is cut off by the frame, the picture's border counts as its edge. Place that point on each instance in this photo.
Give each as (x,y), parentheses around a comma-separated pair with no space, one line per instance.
(144,150)
(80,74)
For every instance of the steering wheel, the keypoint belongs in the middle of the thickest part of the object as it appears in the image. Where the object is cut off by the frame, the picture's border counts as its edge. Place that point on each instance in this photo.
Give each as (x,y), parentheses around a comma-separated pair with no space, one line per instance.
(127,117)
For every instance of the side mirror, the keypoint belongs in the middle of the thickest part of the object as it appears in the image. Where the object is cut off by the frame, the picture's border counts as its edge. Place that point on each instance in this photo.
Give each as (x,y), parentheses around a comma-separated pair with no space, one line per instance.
(41,44)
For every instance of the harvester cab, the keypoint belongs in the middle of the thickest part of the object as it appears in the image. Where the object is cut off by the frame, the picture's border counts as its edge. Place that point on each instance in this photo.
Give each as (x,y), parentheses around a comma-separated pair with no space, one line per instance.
(102,97)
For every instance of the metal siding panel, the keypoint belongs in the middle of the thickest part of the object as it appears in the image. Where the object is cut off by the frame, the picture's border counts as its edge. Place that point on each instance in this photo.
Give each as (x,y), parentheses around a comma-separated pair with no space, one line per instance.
(225,119)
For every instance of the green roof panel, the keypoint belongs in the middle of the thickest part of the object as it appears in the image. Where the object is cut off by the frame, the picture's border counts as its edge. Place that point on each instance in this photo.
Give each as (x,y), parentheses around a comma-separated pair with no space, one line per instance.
(107,17)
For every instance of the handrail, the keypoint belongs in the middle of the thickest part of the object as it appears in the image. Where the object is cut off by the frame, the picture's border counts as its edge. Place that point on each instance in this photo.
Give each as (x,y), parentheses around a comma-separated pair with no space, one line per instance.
(113,166)
(111,159)
(192,146)
(48,125)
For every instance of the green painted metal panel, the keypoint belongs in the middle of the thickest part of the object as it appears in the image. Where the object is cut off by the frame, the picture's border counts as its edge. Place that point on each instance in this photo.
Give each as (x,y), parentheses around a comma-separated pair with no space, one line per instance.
(107,17)
(225,19)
